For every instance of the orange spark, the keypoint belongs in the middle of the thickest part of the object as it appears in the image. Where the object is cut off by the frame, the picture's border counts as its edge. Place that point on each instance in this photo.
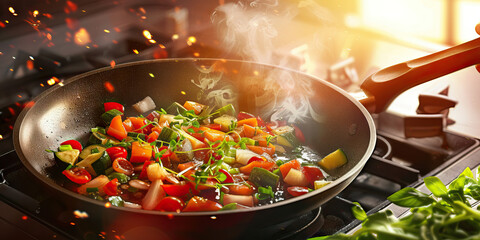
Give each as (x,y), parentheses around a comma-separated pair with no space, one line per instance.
(160,53)
(191,40)
(135,51)
(106,30)
(1,137)
(175,36)
(12,11)
(35,13)
(24,217)
(71,23)
(72,223)
(112,63)
(109,87)
(30,64)
(196,54)
(47,15)
(142,10)
(2,24)
(116,29)
(147,34)
(82,37)
(19,96)
(49,36)
(29,104)
(108,204)
(51,81)
(170,216)
(80,214)
(70,7)
(10,109)
(41,84)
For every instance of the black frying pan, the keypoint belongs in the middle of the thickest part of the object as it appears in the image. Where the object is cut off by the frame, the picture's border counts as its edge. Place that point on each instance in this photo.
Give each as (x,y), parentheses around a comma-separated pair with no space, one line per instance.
(329,117)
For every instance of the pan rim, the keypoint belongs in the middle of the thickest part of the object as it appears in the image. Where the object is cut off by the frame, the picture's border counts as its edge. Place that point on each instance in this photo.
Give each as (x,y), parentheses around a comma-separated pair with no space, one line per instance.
(349,175)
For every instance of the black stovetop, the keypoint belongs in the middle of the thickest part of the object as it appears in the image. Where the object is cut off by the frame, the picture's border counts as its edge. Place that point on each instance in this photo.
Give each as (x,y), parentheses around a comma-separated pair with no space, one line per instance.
(28,210)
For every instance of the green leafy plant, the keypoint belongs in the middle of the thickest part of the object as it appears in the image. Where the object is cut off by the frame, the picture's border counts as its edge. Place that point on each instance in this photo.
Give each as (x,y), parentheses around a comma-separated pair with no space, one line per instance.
(446,214)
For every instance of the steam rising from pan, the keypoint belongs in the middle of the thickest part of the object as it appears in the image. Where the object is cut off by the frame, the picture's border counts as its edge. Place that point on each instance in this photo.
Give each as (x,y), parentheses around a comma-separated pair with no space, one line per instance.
(250,31)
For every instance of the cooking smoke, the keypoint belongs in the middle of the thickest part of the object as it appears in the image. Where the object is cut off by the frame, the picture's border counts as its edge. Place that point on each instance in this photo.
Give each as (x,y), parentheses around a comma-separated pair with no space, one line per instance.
(250,29)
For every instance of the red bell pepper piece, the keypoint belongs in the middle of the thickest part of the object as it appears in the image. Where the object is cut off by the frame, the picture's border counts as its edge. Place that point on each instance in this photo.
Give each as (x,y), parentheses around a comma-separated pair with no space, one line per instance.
(244,115)
(111,187)
(299,134)
(313,173)
(229,178)
(74,143)
(113,105)
(117,152)
(297,191)
(143,173)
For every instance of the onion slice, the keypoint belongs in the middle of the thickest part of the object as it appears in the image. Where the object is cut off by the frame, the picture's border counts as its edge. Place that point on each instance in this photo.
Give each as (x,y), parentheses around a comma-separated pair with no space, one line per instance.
(144,105)
(154,195)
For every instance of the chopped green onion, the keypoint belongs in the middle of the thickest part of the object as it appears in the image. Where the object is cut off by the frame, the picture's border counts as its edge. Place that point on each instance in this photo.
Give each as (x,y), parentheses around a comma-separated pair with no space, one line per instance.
(93,189)
(65,148)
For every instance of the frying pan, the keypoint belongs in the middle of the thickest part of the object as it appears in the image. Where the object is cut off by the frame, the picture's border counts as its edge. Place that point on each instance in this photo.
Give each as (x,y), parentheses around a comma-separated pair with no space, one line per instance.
(330,119)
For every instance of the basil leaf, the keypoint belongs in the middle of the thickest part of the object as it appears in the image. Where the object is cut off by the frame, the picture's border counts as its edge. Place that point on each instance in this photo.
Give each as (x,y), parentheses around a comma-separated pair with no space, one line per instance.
(436,186)
(457,184)
(473,191)
(358,211)
(410,197)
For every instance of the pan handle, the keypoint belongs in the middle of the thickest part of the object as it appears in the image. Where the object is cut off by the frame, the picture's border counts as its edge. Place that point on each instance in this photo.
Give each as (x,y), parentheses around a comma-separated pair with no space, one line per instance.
(385,85)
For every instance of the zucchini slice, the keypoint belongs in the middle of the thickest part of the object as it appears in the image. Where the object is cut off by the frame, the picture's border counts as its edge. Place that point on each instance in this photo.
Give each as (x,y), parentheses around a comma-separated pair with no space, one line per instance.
(286,136)
(263,177)
(136,135)
(96,163)
(225,110)
(176,108)
(167,134)
(98,138)
(109,115)
(333,160)
(88,150)
(68,157)
(225,122)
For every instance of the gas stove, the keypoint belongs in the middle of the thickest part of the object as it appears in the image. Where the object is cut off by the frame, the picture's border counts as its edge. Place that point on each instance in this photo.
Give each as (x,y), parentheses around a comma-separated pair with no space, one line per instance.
(29,212)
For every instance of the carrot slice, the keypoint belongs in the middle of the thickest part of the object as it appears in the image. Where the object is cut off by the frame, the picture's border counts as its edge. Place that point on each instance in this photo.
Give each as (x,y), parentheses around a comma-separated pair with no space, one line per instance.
(249,121)
(285,168)
(196,107)
(247,169)
(116,128)
(260,150)
(128,125)
(214,135)
(241,189)
(249,131)
(140,152)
